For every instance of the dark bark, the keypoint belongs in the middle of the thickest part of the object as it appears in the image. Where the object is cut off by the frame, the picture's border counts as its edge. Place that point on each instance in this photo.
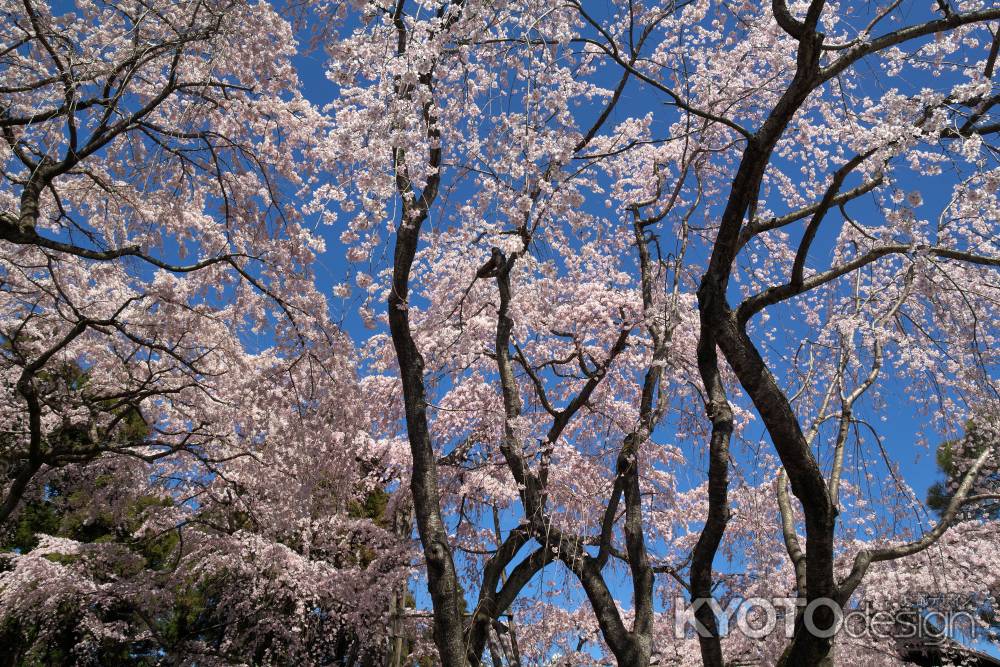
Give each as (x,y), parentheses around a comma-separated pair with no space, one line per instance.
(719,323)
(720,415)
(442,579)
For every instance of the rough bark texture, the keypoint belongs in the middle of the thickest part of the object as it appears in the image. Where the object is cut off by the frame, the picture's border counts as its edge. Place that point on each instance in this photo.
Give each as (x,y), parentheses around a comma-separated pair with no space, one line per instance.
(442,579)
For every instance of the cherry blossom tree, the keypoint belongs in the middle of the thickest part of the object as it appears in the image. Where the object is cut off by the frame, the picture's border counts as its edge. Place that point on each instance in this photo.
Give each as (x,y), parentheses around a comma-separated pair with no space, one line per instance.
(284,556)
(655,290)
(573,284)
(143,214)
(176,398)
